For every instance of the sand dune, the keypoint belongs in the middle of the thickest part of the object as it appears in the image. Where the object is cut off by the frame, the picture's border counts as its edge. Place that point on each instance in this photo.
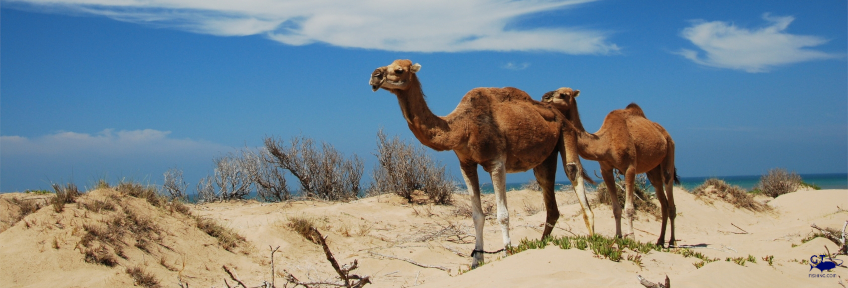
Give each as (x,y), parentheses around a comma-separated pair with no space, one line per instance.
(44,249)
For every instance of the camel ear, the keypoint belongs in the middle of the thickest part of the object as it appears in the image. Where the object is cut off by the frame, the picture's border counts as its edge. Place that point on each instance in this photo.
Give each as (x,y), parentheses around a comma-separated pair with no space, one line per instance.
(415,67)
(576,93)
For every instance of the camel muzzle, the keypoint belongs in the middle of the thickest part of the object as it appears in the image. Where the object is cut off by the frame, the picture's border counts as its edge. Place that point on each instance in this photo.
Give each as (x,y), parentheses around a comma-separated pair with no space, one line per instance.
(377,78)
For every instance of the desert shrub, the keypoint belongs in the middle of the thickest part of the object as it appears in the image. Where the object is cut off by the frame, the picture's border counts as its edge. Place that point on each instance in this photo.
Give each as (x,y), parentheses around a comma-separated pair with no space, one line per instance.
(303,225)
(38,191)
(403,168)
(64,195)
(464,209)
(718,189)
(137,190)
(26,207)
(142,278)
(234,175)
(324,174)
(532,185)
(102,184)
(270,179)
(809,185)
(206,190)
(174,184)
(641,201)
(778,181)
(227,238)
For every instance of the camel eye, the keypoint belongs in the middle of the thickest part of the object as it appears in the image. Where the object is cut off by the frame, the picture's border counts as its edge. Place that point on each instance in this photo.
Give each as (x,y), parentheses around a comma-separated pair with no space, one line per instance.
(399,71)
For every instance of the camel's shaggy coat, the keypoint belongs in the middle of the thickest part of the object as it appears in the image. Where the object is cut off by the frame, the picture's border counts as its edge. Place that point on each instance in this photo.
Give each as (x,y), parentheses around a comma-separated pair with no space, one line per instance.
(501,129)
(631,143)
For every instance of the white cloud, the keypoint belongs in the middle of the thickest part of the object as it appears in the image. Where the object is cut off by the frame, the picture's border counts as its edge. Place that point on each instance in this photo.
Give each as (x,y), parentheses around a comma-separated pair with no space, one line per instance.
(107,143)
(751,50)
(419,26)
(514,66)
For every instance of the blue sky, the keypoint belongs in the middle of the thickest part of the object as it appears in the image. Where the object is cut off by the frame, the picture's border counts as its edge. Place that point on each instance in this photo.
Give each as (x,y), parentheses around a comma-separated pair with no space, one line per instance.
(127,89)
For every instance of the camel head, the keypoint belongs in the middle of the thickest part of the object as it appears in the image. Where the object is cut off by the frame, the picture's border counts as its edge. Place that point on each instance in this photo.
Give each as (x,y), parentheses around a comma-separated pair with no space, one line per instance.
(396,76)
(562,98)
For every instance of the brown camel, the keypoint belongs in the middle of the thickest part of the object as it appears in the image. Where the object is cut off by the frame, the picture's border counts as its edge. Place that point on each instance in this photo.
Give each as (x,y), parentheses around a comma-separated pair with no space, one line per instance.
(502,129)
(631,143)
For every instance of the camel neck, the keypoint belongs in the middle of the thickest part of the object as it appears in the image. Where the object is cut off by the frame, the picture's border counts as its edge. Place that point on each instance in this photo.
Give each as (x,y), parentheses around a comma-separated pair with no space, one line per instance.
(431,130)
(588,145)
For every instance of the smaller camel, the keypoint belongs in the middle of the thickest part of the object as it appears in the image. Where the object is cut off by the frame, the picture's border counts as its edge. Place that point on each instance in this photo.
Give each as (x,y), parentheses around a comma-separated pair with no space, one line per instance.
(631,143)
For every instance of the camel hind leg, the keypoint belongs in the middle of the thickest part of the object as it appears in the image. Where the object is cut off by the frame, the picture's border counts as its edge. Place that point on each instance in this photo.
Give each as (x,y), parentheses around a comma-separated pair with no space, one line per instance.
(499,182)
(669,178)
(546,176)
(655,176)
(612,190)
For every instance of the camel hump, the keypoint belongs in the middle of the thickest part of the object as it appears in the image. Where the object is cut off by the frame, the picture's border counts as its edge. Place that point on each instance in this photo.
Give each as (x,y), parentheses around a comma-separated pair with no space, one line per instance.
(635,110)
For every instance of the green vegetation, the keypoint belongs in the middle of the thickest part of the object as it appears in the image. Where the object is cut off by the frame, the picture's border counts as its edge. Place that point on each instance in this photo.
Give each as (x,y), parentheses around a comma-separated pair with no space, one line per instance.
(613,249)
(37,192)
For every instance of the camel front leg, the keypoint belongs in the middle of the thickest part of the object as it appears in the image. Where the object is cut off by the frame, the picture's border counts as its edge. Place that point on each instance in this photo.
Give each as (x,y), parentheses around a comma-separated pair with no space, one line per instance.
(469,174)
(629,210)
(574,171)
(499,182)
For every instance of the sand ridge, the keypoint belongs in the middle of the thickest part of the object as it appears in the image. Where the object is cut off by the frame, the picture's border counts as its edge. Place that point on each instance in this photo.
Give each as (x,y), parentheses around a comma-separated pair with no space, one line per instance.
(371,229)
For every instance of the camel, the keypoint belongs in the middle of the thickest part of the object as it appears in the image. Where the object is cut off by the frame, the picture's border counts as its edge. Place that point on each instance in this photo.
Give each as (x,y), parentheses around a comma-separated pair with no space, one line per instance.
(502,129)
(631,143)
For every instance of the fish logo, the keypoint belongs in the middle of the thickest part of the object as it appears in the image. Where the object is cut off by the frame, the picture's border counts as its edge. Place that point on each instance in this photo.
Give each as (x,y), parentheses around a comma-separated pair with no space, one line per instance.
(819,262)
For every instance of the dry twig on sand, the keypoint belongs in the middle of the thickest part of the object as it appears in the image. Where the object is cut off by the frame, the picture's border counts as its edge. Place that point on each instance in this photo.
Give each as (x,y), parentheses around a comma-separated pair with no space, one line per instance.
(840,241)
(649,284)
(410,261)
(349,280)
(233,276)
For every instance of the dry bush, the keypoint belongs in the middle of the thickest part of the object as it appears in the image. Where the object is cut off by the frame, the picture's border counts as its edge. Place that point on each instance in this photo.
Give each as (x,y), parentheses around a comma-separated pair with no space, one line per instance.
(142,278)
(718,189)
(778,182)
(642,200)
(324,174)
(270,179)
(137,190)
(303,225)
(206,190)
(532,185)
(26,206)
(463,208)
(234,175)
(403,168)
(64,195)
(174,184)
(227,238)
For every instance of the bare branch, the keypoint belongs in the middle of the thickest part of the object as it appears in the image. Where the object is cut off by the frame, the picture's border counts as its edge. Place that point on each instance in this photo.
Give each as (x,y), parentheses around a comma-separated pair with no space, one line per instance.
(840,241)
(649,284)
(233,276)
(410,261)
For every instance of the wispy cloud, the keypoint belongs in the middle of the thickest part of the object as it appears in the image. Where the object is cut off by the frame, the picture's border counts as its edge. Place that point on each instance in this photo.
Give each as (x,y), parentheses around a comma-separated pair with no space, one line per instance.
(106,143)
(419,26)
(753,50)
(514,66)
(29,163)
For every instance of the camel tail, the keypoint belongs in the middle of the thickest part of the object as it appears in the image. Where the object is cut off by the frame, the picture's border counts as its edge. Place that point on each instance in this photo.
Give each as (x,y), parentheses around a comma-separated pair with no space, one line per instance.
(587,178)
(676,177)
(636,110)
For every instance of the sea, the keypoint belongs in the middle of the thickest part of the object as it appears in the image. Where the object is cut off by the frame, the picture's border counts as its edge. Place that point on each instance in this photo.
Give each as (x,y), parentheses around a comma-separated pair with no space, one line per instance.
(825,181)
